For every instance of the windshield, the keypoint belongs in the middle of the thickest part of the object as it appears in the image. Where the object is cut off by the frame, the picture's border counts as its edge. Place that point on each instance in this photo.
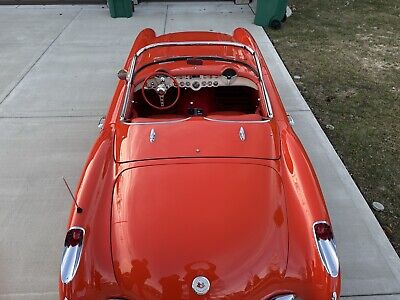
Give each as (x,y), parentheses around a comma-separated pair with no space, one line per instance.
(197,60)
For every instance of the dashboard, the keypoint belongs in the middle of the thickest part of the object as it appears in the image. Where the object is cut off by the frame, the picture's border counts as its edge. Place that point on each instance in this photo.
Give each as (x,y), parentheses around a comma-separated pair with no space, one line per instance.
(196,82)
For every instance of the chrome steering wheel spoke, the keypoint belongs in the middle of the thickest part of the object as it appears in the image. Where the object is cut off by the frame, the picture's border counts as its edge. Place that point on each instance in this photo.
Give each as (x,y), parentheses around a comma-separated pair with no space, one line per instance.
(161,100)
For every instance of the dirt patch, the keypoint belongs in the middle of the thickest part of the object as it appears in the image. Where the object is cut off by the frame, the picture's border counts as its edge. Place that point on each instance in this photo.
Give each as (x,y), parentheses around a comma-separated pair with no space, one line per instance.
(345,56)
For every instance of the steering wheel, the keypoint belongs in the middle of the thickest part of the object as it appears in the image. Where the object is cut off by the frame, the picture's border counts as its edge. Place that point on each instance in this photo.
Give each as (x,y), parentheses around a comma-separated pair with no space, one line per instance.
(160,82)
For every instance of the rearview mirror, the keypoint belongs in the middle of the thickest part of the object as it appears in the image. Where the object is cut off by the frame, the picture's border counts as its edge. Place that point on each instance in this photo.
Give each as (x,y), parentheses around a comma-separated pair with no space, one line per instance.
(101,122)
(122,74)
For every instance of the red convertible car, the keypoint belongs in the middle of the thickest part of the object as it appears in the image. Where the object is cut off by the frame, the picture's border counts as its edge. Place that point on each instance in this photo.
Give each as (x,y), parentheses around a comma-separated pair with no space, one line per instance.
(197,186)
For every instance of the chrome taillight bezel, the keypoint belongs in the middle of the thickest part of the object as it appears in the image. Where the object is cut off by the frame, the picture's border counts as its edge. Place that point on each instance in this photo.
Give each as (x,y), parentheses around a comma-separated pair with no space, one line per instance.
(285,297)
(327,251)
(71,257)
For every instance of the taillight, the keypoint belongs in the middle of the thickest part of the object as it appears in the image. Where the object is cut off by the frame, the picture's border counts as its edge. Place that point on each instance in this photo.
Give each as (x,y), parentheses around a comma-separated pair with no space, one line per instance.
(74,237)
(326,247)
(323,231)
(72,253)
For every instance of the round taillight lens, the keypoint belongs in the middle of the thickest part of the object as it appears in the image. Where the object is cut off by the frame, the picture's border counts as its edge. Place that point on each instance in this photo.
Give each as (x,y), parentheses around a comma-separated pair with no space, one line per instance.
(323,231)
(74,237)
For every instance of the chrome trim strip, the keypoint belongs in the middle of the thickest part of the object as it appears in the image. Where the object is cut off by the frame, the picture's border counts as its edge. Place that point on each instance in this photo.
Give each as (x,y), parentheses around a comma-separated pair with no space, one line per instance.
(236,121)
(328,248)
(155,123)
(188,118)
(194,43)
(71,255)
(268,101)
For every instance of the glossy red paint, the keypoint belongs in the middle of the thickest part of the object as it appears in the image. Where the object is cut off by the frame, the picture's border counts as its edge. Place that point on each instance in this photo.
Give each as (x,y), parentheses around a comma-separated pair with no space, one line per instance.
(199,201)
(168,230)
(211,140)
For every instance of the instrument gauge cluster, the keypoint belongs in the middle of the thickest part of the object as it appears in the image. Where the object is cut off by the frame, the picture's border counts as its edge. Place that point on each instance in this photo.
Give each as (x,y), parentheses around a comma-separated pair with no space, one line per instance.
(196,82)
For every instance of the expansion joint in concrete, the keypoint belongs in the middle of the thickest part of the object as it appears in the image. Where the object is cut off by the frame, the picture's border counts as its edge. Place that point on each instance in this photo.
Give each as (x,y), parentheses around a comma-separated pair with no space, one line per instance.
(40,57)
(251,8)
(166,19)
(50,117)
(371,295)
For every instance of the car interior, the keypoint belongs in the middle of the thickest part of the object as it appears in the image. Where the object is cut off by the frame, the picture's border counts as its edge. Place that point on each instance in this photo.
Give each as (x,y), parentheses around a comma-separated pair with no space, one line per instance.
(162,97)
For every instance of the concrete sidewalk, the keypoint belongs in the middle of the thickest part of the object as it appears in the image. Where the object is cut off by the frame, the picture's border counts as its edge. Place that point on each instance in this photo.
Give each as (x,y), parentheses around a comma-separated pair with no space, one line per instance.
(57,76)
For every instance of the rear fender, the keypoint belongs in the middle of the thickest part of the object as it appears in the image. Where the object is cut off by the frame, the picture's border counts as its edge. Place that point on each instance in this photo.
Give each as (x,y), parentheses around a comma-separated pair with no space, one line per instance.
(306,273)
(94,197)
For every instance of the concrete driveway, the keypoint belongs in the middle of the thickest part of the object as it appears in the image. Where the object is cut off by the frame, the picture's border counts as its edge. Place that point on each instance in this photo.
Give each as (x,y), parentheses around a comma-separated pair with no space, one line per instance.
(57,76)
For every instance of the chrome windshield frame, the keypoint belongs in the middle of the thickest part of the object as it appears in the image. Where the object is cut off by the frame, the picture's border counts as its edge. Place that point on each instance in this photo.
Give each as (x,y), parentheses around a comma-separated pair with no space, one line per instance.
(194,43)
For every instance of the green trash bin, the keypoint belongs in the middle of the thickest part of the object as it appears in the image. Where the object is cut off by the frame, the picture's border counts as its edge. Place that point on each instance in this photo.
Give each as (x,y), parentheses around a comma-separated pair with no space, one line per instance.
(120,8)
(270,13)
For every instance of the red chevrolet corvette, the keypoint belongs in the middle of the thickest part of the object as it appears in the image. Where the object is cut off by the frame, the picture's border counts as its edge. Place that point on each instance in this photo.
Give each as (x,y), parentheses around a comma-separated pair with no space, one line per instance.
(197,186)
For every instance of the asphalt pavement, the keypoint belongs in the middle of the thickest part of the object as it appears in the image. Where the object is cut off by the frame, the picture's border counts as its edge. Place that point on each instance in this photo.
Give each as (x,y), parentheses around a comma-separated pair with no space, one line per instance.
(58,69)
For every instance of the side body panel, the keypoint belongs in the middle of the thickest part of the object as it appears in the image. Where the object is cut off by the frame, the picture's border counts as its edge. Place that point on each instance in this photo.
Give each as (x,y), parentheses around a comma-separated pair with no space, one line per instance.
(305,202)
(94,194)
(305,205)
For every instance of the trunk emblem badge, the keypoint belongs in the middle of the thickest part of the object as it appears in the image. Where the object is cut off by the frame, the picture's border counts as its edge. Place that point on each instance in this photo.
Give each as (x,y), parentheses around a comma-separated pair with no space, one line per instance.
(242,134)
(152,135)
(201,285)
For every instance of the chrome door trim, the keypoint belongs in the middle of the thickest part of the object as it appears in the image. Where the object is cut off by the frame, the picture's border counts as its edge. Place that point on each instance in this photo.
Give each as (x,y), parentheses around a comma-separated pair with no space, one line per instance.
(157,122)
(237,121)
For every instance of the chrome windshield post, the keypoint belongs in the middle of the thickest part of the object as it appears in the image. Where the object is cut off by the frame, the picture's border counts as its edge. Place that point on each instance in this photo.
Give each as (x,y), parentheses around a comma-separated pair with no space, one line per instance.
(265,92)
(128,87)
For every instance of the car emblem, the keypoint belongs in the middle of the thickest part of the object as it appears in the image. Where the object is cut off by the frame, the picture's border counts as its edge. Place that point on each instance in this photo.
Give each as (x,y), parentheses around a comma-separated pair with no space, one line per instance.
(201,285)
(242,134)
(152,135)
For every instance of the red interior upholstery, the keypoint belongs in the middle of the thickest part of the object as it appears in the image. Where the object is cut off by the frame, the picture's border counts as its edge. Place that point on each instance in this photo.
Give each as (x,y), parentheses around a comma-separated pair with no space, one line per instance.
(223,115)
(158,118)
(234,116)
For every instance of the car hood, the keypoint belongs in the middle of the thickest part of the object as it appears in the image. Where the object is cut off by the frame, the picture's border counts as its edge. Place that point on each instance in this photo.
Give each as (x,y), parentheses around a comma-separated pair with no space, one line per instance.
(196,137)
(173,222)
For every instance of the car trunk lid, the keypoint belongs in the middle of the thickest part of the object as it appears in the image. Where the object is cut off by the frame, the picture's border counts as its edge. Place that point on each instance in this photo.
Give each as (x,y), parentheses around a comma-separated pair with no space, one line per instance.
(225,221)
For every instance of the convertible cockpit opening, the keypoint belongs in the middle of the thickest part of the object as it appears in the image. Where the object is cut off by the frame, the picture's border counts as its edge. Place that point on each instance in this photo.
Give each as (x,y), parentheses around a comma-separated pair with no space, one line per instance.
(228,88)
(216,97)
